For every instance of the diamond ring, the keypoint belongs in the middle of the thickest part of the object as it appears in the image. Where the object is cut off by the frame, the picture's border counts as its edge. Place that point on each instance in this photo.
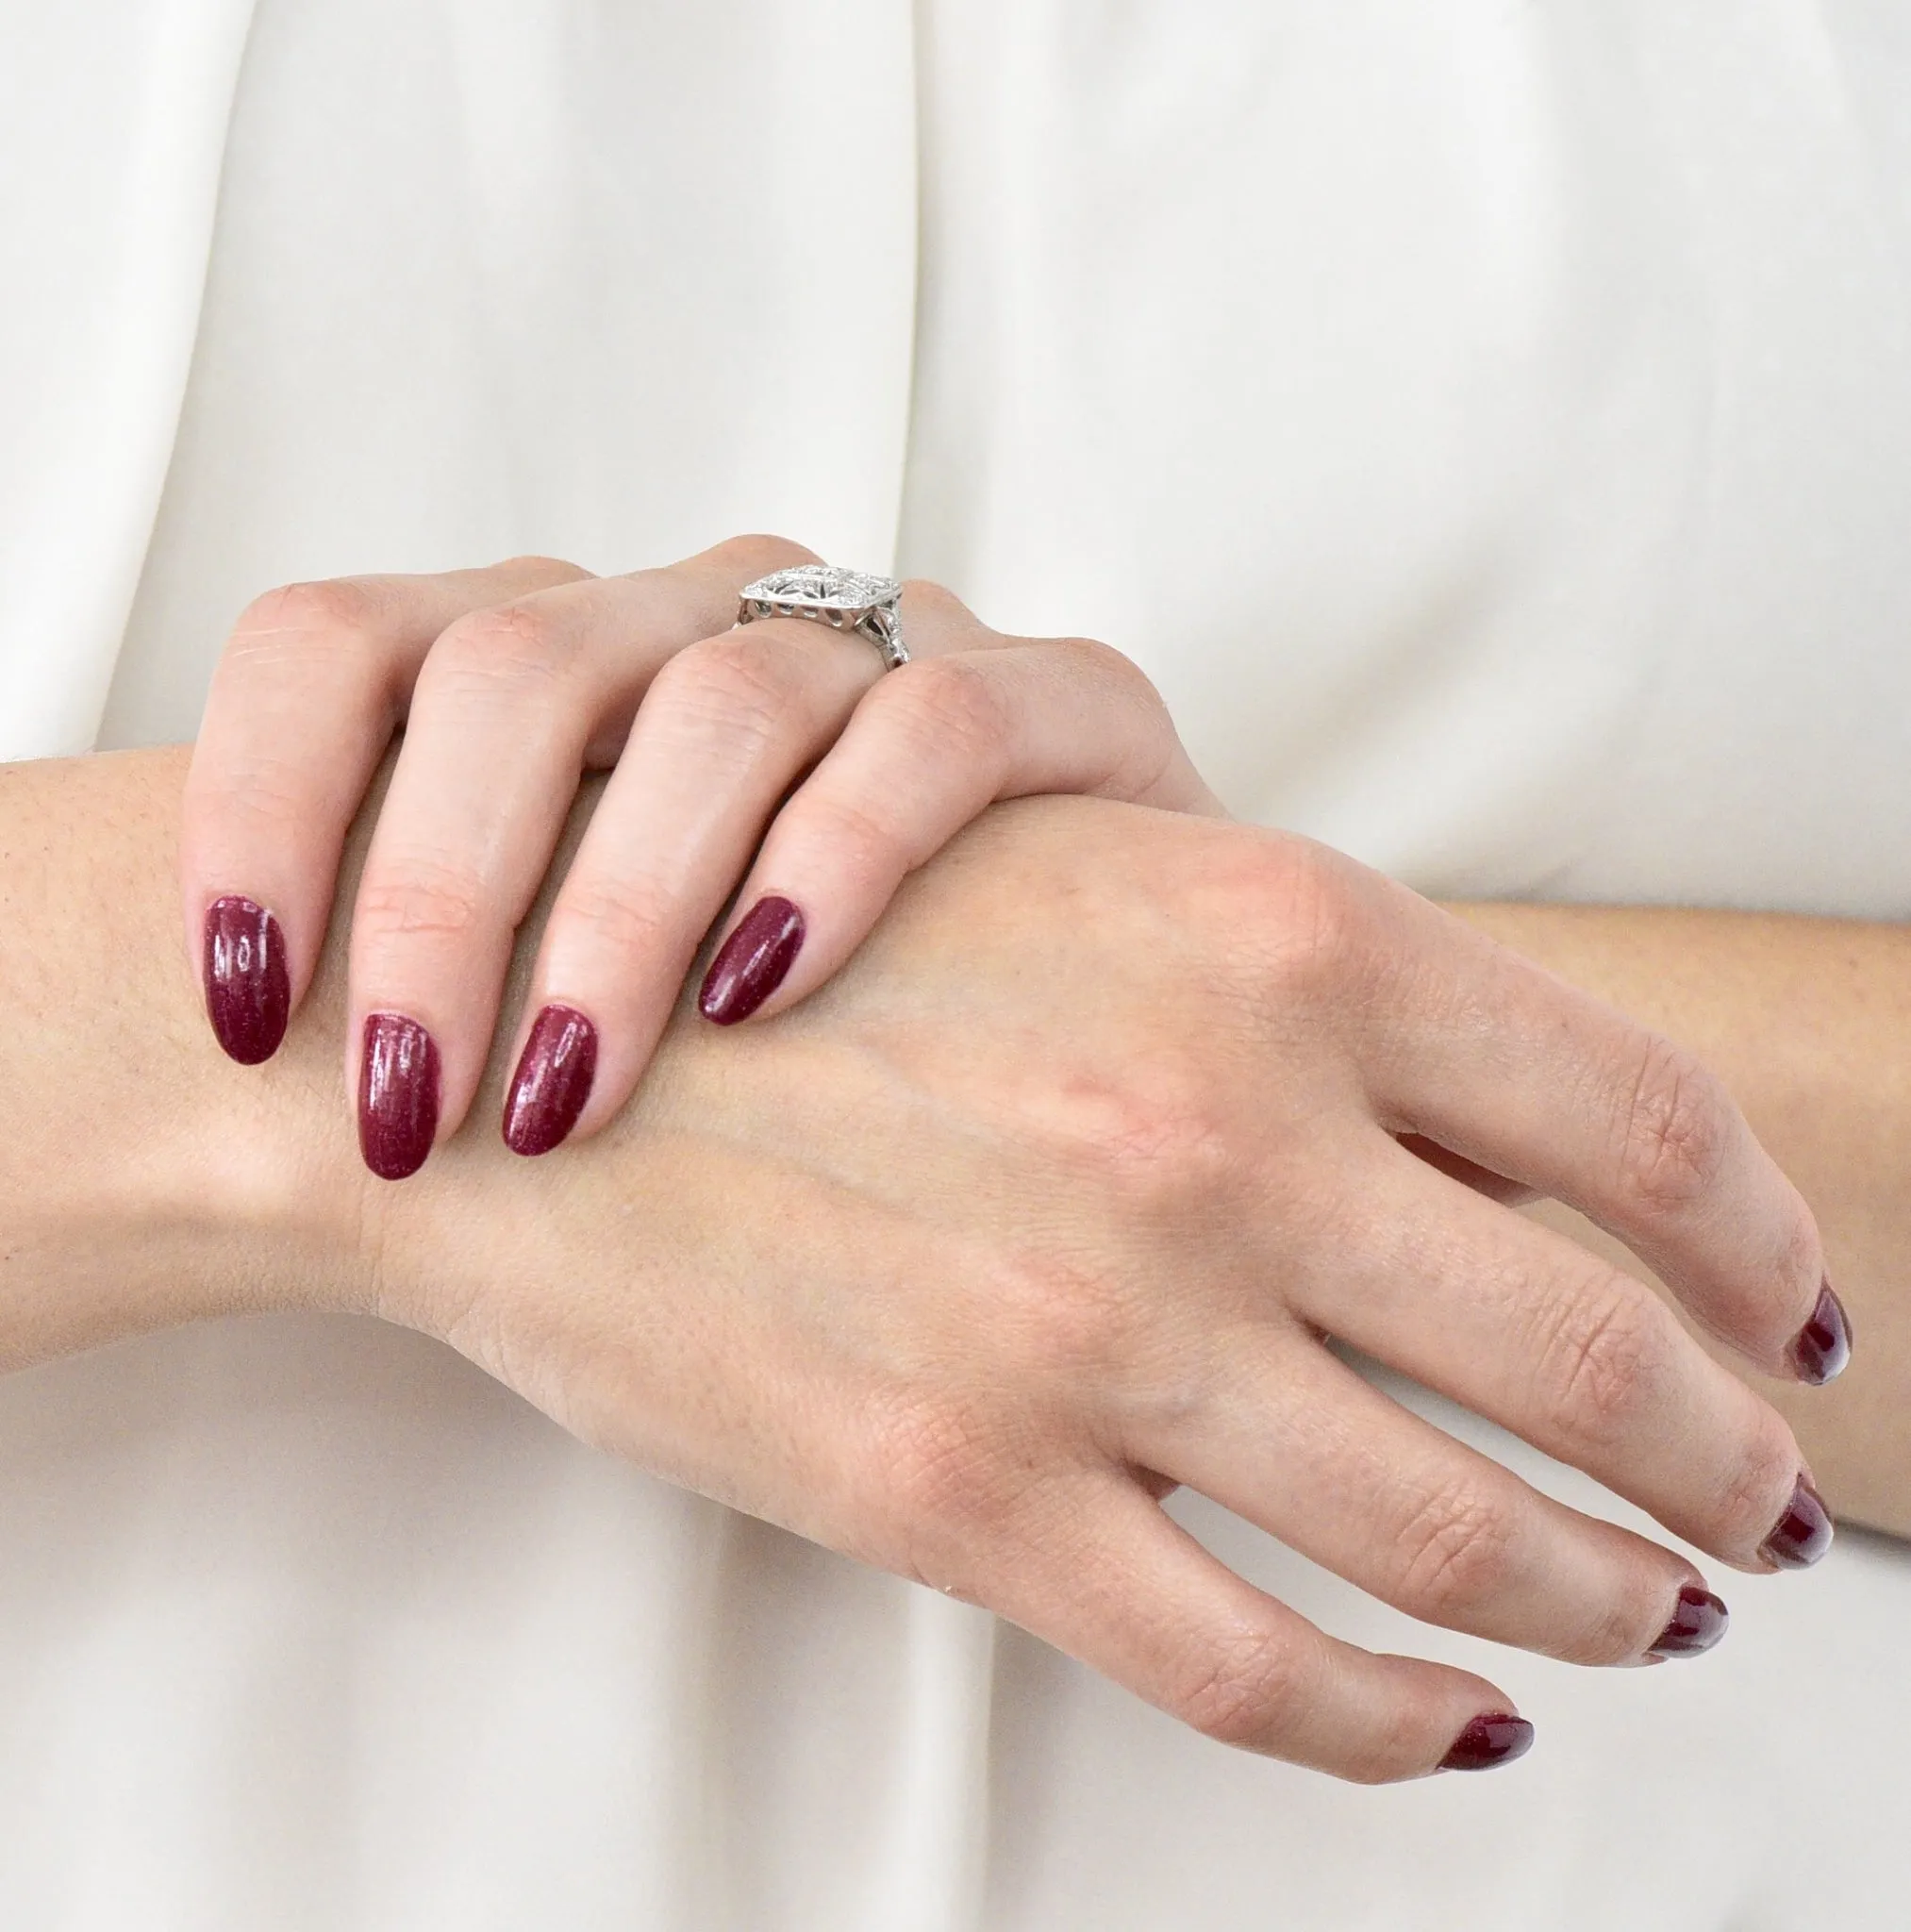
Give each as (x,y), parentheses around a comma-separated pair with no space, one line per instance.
(844,599)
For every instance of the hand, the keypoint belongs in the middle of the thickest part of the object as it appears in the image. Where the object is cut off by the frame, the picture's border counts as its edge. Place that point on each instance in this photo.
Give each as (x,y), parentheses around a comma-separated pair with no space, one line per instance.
(512,680)
(1049,1204)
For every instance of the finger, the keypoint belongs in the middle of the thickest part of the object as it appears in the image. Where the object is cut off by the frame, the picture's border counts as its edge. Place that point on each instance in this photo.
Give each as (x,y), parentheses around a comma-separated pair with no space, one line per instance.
(1287,1437)
(306,696)
(931,746)
(512,701)
(721,734)
(1529,1329)
(1513,1068)
(1108,1577)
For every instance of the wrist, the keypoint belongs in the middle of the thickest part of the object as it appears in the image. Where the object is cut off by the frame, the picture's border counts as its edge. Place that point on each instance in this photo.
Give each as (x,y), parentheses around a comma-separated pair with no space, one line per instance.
(145,1180)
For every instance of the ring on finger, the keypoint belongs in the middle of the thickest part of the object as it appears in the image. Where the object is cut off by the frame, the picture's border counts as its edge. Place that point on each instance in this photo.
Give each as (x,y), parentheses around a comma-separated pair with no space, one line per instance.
(850,600)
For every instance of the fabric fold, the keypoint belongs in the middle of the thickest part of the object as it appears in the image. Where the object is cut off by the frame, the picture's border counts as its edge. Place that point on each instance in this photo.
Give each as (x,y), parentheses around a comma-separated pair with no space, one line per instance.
(110,183)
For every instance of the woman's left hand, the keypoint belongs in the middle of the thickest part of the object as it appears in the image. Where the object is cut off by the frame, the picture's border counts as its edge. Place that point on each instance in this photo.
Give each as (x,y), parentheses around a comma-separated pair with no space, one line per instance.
(782,739)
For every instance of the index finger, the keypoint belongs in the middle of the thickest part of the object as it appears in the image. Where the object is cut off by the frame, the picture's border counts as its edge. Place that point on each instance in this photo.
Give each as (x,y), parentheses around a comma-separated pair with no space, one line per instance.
(1507,1065)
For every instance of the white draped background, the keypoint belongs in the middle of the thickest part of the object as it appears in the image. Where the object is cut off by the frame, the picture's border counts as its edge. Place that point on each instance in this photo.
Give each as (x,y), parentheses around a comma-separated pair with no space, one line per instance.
(1492,429)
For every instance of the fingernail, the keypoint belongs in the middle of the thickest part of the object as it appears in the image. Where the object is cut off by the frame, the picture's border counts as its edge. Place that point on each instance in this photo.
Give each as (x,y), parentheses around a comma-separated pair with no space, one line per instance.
(1822,1347)
(754,962)
(1697,1624)
(1803,1533)
(248,994)
(1489,1741)
(398,1096)
(552,1081)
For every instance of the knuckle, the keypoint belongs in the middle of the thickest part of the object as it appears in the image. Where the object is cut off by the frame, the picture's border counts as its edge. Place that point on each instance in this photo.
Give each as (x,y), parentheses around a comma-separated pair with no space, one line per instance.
(1243,1694)
(1299,916)
(866,852)
(1169,1156)
(1602,1357)
(948,704)
(1457,1553)
(1150,1137)
(500,653)
(756,553)
(1057,1324)
(1105,664)
(421,897)
(734,684)
(331,637)
(939,1469)
(334,605)
(560,570)
(924,595)
(250,789)
(625,917)
(1676,1130)
(1140,757)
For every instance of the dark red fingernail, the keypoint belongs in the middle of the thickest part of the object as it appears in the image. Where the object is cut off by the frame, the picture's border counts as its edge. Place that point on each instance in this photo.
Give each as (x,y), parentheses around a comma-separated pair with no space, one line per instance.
(1489,1741)
(1697,1624)
(398,1096)
(552,1081)
(1803,1533)
(754,962)
(1822,1347)
(248,992)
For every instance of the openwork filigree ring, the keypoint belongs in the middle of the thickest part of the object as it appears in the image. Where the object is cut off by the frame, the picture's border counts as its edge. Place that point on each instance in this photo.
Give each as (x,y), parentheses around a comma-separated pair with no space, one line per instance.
(844,599)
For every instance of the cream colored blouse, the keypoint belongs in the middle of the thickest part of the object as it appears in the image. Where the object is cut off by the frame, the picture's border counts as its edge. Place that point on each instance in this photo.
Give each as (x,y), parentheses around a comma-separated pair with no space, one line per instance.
(1492,427)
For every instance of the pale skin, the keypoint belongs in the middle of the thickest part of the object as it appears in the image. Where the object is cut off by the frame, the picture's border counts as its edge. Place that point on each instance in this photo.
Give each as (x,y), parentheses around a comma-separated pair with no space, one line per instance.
(1148,1069)
(773,761)
(1808,1023)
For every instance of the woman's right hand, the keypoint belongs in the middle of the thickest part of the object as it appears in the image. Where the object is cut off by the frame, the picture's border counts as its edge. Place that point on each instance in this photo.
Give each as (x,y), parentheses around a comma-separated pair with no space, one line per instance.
(1051,1201)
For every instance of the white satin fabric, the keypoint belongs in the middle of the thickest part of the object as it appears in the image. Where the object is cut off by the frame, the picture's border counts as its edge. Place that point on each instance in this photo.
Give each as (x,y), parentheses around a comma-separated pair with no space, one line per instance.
(1491,425)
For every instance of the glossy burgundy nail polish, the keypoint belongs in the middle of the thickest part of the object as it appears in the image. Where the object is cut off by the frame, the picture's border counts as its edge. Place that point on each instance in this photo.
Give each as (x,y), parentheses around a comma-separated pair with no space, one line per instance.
(1697,1624)
(398,1095)
(552,1081)
(1822,1347)
(1496,1738)
(1803,1533)
(248,991)
(754,962)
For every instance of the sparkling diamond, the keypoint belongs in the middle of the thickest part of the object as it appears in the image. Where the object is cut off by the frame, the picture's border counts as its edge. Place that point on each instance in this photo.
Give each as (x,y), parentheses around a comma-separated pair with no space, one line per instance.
(822,586)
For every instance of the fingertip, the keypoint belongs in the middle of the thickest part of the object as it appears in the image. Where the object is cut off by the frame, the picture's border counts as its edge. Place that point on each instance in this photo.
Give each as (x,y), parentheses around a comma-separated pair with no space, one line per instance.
(1698,1624)
(552,1081)
(753,962)
(1489,1741)
(246,981)
(1803,1534)
(398,1095)
(1821,1350)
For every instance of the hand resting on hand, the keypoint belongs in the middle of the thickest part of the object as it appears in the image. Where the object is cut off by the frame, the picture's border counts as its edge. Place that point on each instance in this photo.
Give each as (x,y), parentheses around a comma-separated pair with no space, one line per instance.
(1042,1205)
